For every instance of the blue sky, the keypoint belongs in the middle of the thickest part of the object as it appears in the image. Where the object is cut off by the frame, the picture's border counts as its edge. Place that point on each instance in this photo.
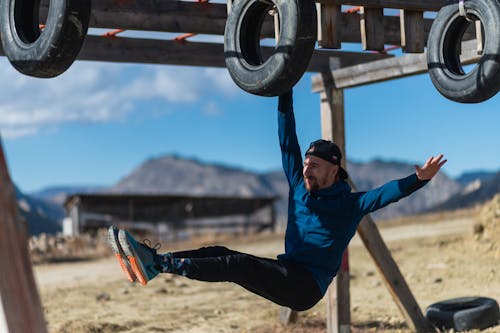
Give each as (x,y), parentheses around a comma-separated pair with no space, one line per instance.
(98,121)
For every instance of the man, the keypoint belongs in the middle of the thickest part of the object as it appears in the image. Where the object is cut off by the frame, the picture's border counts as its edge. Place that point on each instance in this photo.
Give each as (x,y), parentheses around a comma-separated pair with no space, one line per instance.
(323,216)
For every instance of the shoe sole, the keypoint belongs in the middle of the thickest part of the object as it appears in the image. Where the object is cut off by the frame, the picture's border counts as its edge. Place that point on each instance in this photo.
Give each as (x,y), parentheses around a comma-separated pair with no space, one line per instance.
(119,254)
(137,268)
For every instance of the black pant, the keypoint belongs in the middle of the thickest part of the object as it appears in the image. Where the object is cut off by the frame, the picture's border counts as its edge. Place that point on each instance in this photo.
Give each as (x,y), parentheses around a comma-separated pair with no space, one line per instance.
(284,283)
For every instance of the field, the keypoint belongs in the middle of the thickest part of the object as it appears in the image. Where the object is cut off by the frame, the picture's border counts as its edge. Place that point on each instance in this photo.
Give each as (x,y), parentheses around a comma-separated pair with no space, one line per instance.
(440,257)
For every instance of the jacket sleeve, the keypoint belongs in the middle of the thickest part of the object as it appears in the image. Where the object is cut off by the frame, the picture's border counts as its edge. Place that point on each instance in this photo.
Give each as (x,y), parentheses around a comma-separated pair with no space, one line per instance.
(290,150)
(388,193)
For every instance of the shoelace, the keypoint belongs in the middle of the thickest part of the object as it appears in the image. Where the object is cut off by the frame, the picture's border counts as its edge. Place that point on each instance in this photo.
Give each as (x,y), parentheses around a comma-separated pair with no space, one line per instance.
(148,243)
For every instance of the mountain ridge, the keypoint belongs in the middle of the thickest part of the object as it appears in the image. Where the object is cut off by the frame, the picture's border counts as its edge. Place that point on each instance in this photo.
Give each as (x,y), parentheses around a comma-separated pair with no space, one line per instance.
(173,174)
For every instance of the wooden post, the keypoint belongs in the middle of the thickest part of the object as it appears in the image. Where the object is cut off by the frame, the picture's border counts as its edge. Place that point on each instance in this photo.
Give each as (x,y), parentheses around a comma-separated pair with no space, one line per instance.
(412,31)
(338,298)
(329,26)
(479,36)
(338,301)
(20,305)
(372,28)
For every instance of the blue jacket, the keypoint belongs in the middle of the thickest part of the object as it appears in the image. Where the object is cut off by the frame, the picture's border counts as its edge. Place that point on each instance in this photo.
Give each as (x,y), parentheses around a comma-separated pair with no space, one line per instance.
(321,224)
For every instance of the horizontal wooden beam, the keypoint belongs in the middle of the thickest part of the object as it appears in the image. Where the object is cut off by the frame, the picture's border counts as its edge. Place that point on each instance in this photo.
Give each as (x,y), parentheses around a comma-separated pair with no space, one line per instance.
(419,5)
(210,18)
(386,69)
(168,52)
(169,16)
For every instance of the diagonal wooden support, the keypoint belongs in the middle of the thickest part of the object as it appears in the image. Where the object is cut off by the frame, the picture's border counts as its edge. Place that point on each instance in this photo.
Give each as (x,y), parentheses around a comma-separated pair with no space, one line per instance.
(20,305)
(394,280)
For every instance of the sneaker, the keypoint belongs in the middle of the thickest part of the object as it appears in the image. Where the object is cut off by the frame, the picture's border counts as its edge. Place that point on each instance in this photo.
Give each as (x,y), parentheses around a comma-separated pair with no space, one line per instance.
(119,254)
(144,261)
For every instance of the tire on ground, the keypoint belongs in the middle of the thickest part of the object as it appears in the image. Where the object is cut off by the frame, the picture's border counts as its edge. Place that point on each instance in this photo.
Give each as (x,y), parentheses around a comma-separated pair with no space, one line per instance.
(446,72)
(244,59)
(464,313)
(48,52)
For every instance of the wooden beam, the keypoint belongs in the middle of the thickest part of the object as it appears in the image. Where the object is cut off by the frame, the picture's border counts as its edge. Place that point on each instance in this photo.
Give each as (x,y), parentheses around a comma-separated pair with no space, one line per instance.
(386,69)
(479,36)
(330,26)
(422,5)
(394,280)
(20,305)
(210,18)
(351,32)
(412,31)
(287,316)
(338,312)
(167,52)
(169,16)
(372,28)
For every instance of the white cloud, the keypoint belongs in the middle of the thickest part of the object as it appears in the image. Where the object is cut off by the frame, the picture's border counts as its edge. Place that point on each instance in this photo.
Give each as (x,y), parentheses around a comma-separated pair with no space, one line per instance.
(102,92)
(211,108)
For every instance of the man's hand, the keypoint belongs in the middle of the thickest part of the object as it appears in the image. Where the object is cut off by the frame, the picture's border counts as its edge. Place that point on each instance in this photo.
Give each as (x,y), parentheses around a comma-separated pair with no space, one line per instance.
(430,168)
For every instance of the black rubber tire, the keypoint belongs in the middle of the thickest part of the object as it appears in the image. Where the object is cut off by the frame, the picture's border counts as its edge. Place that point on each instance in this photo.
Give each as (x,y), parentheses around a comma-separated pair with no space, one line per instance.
(46,53)
(445,69)
(464,313)
(279,73)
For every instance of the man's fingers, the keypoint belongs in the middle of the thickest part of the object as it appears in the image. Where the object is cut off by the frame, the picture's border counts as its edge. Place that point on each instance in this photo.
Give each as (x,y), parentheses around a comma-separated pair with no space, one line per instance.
(442,163)
(438,158)
(428,162)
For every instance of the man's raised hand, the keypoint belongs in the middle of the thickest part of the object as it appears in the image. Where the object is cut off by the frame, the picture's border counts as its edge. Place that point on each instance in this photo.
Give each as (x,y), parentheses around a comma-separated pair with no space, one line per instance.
(430,168)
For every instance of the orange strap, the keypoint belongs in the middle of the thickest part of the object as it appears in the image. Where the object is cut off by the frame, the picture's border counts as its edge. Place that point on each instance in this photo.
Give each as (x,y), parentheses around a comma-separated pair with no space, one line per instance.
(182,38)
(113,33)
(353,10)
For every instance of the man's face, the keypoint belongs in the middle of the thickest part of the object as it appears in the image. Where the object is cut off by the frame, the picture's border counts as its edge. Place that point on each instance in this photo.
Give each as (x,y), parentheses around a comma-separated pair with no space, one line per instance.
(318,173)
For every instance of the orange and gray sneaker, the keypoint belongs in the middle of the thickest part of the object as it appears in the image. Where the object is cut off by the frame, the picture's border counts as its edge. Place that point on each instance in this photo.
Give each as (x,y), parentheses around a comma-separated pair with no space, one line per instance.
(144,260)
(119,254)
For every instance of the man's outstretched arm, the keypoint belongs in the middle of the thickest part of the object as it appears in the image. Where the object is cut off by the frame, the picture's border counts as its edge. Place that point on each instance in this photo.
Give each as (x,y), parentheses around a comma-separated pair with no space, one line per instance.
(290,150)
(397,189)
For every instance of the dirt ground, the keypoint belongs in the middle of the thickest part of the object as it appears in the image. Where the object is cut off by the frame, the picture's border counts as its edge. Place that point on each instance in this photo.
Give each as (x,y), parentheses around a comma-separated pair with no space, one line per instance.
(439,256)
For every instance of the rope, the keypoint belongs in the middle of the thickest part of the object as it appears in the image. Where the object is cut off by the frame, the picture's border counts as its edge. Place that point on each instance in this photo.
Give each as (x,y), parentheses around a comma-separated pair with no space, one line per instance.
(462,11)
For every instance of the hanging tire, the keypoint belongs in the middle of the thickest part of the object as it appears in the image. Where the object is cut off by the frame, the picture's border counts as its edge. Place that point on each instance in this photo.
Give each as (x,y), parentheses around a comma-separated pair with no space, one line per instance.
(446,72)
(48,52)
(464,313)
(244,60)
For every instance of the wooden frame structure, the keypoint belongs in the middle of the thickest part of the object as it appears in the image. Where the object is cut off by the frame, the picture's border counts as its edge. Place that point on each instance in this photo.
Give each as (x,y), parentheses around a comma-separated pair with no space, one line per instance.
(367,25)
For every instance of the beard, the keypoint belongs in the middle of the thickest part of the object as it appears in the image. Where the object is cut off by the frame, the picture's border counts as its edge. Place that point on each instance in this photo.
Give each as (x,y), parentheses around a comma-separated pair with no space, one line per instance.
(311,184)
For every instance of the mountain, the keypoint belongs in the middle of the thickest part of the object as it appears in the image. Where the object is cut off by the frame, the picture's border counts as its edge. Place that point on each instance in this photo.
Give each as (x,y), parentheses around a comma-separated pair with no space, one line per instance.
(41,216)
(475,193)
(176,175)
(58,194)
(472,176)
